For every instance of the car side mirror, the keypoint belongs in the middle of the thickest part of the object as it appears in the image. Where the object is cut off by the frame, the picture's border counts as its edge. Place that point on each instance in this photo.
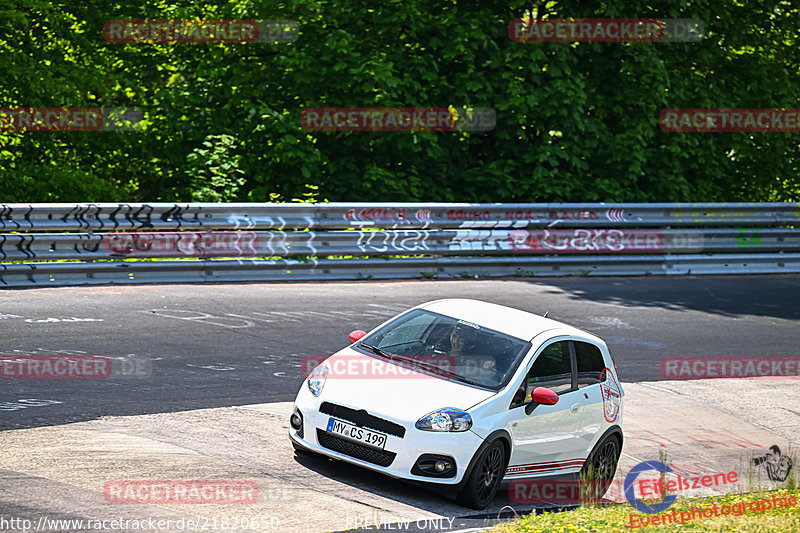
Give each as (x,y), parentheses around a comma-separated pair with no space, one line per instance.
(541,395)
(354,336)
(544,395)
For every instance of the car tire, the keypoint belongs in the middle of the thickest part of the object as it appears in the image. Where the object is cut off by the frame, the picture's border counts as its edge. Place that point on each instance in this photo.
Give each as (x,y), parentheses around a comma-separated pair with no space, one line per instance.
(483,481)
(599,469)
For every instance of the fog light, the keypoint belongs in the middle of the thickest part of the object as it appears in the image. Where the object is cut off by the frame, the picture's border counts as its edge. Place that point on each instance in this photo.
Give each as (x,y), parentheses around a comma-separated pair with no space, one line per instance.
(296,421)
(434,465)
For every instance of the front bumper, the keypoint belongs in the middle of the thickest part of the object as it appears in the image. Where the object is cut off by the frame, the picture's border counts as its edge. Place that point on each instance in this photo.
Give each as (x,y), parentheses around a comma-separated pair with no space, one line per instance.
(400,453)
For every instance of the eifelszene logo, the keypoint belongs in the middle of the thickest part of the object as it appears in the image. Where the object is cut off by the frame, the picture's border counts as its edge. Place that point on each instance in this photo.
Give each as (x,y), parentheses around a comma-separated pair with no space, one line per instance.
(668,489)
(629,485)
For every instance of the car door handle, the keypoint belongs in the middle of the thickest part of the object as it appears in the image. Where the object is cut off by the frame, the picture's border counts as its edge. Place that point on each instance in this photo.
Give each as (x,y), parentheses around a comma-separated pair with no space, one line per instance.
(574,408)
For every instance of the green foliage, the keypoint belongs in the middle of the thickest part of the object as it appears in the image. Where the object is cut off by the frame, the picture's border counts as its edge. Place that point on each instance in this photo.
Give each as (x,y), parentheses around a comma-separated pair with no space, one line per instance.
(575,121)
(616,518)
(213,171)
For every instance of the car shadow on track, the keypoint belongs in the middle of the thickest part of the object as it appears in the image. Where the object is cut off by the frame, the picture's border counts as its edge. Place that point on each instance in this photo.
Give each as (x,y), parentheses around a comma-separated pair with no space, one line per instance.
(416,496)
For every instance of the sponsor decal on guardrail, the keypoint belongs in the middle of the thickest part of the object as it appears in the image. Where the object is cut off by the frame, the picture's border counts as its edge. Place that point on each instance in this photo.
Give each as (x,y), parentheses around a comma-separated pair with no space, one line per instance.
(200,31)
(682,368)
(607,30)
(180,492)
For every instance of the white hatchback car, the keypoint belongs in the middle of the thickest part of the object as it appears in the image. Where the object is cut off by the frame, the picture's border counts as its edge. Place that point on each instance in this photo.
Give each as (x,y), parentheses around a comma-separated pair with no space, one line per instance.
(465,394)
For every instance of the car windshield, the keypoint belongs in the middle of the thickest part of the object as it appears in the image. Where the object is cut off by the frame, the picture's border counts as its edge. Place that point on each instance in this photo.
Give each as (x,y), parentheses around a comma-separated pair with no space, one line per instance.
(449,348)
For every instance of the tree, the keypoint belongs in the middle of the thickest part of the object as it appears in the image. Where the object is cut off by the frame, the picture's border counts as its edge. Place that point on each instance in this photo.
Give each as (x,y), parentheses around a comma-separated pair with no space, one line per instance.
(575,121)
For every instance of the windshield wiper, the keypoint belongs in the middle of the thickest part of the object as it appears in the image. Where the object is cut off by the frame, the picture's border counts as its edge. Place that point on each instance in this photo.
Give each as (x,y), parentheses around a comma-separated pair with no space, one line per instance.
(377,350)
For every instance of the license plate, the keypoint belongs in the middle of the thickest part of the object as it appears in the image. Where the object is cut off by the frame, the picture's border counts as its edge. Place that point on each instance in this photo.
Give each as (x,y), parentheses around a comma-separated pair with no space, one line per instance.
(349,431)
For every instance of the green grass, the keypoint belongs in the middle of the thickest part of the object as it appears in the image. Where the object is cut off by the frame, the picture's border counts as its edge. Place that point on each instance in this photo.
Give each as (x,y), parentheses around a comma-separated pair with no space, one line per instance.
(616,517)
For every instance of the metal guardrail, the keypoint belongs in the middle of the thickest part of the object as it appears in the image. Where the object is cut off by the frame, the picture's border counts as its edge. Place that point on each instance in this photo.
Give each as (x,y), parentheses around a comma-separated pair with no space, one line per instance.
(109,246)
(253,216)
(115,243)
(59,274)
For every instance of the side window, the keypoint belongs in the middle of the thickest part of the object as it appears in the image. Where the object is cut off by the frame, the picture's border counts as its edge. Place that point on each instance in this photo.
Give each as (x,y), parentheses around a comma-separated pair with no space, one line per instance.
(552,369)
(590,363)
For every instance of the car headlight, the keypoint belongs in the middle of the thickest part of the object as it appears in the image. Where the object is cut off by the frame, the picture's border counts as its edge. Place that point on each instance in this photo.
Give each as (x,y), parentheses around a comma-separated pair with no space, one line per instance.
(447,419)
(317,378)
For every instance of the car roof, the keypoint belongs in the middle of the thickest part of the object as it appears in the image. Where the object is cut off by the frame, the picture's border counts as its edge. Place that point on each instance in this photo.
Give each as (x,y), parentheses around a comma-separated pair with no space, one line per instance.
(508,320)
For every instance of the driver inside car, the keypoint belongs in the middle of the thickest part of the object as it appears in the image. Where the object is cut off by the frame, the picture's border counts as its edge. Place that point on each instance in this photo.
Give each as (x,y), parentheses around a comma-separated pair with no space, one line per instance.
(462,343)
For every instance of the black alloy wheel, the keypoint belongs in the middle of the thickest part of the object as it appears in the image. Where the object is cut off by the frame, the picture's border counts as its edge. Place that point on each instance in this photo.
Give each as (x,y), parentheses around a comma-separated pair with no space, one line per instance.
(599,469)
(485,477)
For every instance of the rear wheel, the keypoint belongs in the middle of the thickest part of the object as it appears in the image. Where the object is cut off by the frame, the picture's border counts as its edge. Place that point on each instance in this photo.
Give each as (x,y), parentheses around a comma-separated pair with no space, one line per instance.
(484,479)
(599,469)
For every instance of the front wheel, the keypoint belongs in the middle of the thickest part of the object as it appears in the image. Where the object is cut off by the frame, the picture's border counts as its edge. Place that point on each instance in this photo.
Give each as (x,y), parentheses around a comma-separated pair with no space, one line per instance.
(484,479)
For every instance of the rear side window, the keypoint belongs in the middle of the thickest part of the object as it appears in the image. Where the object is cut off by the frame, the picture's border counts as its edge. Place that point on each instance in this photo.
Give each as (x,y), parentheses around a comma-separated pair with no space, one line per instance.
(590,363)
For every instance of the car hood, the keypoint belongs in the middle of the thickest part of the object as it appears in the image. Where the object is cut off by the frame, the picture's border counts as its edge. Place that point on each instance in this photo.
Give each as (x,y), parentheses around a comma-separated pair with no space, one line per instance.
(405,397)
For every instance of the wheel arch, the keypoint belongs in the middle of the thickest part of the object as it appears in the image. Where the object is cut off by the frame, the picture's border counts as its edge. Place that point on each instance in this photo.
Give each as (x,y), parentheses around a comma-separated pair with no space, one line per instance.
(615,431)
(500,434)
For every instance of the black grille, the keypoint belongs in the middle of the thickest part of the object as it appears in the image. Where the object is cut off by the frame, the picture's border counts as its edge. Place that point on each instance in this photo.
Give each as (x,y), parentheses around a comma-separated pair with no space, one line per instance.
(363,419)
(300,431)
(354,449)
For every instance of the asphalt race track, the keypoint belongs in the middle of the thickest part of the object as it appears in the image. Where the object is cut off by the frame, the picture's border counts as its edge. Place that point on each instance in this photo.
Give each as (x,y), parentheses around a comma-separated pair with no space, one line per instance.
(232,351)
(223,345)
